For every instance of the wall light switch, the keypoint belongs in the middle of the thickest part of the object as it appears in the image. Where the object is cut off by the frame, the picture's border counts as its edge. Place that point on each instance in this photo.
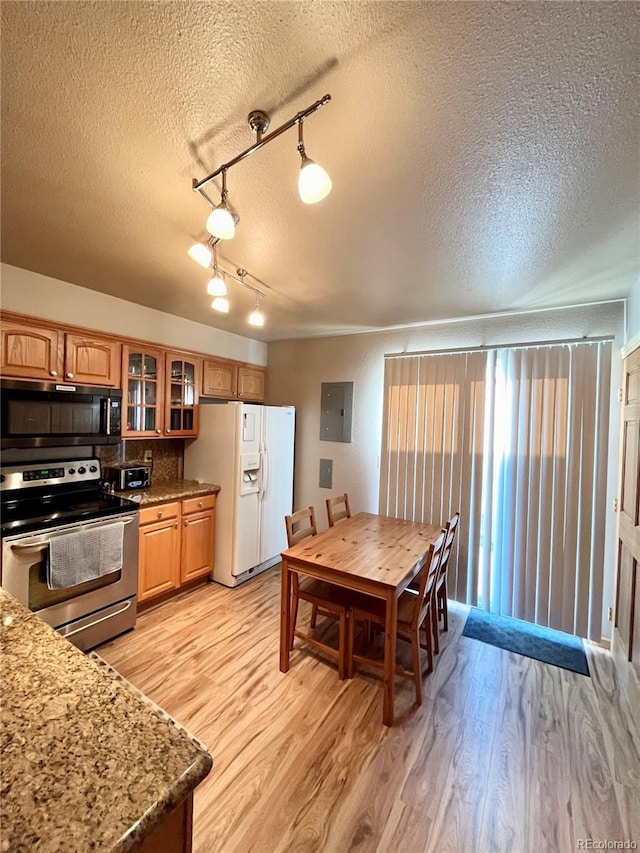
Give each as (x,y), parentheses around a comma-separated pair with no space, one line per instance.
(148,456)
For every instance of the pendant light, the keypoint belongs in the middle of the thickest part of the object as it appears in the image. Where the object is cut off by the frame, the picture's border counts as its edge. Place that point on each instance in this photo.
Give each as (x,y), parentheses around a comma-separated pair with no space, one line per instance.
(201,254)
(221,222)
(216,285)
(314,183)
(256,318)
(220,304)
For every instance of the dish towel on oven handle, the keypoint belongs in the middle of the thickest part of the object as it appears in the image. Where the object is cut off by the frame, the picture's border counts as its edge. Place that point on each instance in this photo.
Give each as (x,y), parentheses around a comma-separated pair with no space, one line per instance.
(84,555)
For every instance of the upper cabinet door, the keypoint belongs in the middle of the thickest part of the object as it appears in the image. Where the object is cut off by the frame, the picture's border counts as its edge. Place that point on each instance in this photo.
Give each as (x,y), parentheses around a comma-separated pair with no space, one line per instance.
(92,361)
(251,383)
(143,392)
(31,352)
(182,377)
(219,378)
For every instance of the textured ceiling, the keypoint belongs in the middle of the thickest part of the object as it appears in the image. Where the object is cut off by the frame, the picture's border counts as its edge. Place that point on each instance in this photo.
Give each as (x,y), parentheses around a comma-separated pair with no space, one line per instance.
(485,156)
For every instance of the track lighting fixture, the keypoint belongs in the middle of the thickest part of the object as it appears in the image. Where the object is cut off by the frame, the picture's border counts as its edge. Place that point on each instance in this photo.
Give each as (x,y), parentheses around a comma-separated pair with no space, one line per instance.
(217,283)
(314,183)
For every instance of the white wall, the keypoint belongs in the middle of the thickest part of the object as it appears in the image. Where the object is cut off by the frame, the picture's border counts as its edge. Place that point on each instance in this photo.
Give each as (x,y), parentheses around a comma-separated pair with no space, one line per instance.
(40,296)
(633,312)
(297,369)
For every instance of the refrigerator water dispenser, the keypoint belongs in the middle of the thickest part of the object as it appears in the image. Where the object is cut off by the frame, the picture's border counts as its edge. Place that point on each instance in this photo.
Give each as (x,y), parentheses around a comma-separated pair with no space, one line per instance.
(249,473)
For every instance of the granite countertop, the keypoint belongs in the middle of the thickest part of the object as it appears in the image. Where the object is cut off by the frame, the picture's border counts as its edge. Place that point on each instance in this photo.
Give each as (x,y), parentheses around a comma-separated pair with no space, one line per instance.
(88,762)
(170,490)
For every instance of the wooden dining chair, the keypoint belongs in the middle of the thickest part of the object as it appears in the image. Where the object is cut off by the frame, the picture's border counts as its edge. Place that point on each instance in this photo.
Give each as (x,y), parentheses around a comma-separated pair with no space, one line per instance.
(414,613)
(441,609)
(324,597)
(338,509)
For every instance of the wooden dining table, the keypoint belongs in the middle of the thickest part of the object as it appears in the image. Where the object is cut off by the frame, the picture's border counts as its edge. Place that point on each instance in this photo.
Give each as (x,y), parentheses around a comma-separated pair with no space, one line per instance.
(368,553)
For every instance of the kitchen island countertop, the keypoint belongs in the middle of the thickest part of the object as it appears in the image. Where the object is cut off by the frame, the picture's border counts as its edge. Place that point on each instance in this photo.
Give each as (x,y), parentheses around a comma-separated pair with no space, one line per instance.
(88,762)
(170,490)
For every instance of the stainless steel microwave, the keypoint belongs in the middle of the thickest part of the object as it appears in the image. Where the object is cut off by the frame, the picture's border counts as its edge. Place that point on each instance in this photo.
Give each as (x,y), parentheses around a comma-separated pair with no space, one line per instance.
(52,414)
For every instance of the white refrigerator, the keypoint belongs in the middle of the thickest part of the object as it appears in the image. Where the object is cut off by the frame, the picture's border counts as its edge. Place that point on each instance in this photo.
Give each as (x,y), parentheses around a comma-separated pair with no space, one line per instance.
(248,451)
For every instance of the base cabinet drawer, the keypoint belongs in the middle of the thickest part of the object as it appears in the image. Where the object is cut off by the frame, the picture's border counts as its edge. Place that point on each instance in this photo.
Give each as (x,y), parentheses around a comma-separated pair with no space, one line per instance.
(176,545)
(159,512)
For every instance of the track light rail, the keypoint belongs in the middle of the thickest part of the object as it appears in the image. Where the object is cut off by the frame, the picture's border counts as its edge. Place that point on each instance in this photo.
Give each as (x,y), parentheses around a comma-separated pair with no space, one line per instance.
(262,141)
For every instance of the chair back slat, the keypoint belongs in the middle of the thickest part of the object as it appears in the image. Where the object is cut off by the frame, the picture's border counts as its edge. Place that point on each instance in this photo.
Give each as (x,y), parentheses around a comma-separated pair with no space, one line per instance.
(428,575)
(300,525)
(338,508)
(450,532)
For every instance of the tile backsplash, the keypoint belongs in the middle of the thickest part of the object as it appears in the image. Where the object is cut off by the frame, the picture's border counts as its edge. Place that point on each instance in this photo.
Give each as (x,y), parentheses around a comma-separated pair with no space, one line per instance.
(167,461)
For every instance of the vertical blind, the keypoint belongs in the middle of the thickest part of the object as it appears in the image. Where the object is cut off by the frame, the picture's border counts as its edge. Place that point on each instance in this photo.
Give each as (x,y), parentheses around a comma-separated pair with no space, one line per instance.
(516,440)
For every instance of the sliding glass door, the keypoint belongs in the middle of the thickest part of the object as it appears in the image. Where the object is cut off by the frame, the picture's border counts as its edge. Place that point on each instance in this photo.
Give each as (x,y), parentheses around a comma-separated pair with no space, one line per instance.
(515,438)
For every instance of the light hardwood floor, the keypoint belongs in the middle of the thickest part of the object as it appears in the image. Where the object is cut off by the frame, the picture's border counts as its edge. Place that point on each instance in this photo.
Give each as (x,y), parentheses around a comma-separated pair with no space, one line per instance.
(505,753)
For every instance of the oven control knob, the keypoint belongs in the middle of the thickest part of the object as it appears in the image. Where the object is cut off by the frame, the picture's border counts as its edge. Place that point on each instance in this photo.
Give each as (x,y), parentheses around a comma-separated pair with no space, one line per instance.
(2,478)
(82,470)
(72,470)
(93,469)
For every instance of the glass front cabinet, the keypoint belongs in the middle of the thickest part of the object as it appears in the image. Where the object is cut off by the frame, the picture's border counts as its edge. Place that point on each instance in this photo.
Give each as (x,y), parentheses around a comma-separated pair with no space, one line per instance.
(143,385)
(182,375)
(161,393)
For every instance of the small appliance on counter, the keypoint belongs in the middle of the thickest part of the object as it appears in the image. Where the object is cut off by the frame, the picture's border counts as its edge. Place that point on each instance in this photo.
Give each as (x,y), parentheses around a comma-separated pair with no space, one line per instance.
(120,478)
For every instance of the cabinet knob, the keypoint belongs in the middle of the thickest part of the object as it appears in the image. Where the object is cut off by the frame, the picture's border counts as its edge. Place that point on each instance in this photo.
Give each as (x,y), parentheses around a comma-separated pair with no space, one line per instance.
(158,431)
(69,375)
(168,431)
(160,514)
(53,372)
(175,526)
(185,523)
(200,503)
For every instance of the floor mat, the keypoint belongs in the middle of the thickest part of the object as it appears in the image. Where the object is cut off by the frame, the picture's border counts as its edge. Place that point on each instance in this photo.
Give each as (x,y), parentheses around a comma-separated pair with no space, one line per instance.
(524,638)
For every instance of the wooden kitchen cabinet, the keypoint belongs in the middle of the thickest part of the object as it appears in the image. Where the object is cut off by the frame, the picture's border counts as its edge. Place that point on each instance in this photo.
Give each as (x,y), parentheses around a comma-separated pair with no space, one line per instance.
(230,380)
(161,393)
(182,377)
(92,361)
(159,550)
(143,391)
(176,545)
(198,537)
(219,378)
(251,383)
(43,353)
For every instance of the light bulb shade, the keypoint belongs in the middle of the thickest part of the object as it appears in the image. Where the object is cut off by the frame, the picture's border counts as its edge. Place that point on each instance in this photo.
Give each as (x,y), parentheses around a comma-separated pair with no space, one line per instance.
(220,304)
(201,254)
(216,286)
(221,223)
(256,318)
(314,183)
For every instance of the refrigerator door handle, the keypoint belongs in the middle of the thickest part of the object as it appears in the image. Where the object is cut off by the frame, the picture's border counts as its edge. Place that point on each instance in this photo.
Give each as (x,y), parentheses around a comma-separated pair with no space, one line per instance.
(265,469)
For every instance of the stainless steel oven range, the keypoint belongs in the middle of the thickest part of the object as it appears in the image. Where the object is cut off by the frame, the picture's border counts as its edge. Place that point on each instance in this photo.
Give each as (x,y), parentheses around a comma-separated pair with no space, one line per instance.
(47,508)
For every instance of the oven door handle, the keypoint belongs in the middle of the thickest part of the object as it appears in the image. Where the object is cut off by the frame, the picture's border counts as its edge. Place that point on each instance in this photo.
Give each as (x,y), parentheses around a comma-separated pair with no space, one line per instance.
(40,546)
(127,605)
